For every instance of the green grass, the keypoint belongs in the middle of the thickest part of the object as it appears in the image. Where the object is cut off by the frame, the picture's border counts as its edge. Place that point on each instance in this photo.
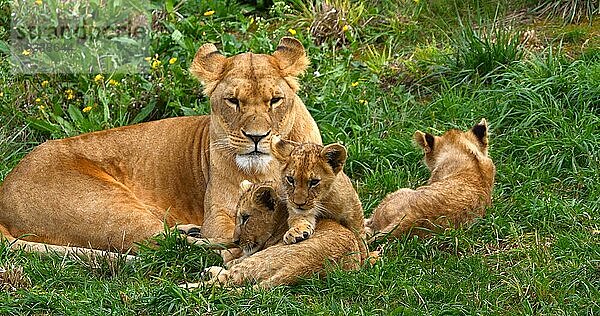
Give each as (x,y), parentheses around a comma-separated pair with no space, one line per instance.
(402,66)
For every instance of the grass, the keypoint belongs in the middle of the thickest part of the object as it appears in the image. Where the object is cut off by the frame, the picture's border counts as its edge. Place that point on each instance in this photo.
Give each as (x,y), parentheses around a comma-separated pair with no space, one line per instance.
(537,251)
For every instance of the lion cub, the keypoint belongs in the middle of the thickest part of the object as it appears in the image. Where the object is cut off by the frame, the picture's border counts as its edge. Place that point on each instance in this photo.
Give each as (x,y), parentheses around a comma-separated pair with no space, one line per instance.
(314,186)
(261,222)
(460,187)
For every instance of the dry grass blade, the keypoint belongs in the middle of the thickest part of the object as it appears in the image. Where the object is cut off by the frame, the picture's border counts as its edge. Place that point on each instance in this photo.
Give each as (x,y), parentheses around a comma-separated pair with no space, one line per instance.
(12,278)
(328,23)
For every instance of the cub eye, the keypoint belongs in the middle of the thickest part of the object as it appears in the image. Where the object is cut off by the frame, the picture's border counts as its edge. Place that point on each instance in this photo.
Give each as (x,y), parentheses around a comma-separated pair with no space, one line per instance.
(314,182)
(233,101)
(275,100)
(245,218)
(290,180)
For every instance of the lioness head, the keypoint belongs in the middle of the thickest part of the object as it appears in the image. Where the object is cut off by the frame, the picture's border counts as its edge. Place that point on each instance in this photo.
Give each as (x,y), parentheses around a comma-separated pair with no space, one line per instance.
(256,218)
(252,97)
(308,171)
(470,144)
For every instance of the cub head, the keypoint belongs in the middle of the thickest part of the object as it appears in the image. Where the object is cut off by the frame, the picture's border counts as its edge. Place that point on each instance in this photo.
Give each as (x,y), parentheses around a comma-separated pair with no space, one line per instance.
(454,143)
(252,97)
(308,171)
(256,217)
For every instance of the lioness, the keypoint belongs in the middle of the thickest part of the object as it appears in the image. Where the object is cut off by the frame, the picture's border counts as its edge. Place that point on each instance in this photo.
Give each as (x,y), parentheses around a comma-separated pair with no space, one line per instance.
(314,185)
(261,224)
(109,189)
(460,187)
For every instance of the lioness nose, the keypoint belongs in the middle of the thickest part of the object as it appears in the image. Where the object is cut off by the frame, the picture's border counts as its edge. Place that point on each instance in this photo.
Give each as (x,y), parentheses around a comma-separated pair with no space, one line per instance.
(256,137)
(236,242)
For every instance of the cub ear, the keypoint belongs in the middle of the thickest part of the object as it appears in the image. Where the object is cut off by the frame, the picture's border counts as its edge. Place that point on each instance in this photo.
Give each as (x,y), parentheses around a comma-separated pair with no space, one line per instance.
(208,64)
(265,196)
(245,185)
(336,155)
(291,56)
(281,148)
(481,132)
(425,140)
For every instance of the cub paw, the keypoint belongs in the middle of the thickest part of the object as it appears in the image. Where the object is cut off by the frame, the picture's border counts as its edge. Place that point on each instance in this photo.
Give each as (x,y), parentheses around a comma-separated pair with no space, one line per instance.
(298,233)
(234,262)
(215,275)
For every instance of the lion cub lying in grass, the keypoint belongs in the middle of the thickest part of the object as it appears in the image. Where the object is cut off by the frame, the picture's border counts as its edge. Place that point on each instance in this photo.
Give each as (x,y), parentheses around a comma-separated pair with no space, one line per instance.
(261,222)
(460,187)
(314,185)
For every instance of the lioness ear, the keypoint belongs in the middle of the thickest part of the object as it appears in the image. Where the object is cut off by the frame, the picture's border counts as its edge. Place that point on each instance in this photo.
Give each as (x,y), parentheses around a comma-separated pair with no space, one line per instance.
(291,56)
(481,132)
(245,185)
(281,148)
(208,64)
(336,155)
(425,140)
(265,196)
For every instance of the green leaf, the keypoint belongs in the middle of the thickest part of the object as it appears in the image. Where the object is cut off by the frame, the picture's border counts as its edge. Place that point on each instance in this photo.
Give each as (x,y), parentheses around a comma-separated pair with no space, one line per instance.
(144,113)
(43,126)
(169,6)
(75,114)
(178,38)
(4,48)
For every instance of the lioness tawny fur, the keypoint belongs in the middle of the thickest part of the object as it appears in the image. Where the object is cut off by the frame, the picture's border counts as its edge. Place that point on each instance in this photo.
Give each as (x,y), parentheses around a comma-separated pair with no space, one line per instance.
(460,187)
(113,188)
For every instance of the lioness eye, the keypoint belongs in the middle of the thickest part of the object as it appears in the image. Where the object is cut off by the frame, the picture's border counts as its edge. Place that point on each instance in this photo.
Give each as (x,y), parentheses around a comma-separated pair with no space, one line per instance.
(275,100)
(245,218)
(290,180)
(233,101)
(314,182)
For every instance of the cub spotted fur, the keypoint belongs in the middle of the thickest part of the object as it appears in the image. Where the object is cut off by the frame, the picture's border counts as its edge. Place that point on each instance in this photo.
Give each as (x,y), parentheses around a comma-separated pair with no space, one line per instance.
(460,187)
(314,186)
(260,225)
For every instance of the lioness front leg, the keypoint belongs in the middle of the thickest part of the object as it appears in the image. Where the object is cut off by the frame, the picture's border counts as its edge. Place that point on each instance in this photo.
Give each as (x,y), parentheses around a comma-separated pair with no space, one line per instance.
(220,226)
(302,226)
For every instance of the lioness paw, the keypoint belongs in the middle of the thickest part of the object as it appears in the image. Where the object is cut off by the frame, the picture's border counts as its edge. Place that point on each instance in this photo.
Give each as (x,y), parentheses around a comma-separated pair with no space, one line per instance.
(190,230)
(298,233)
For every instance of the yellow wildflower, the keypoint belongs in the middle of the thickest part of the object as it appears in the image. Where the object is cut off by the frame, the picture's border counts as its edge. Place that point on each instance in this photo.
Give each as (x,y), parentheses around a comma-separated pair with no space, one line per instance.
(363,101)
(355,83)
(209,13)
(1,94)
(70,94)
(98,78)
(156,64)
(41,107)
(38,2)
(345,28)
(148,59)
(38,100)
(172,61)
(26,52)
(87,109)
(113,82)
(45,83)
(292,31)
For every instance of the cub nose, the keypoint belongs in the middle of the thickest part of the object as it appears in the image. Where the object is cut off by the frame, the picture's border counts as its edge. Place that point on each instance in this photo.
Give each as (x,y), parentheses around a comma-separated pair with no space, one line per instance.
(300,204)
(256,137)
